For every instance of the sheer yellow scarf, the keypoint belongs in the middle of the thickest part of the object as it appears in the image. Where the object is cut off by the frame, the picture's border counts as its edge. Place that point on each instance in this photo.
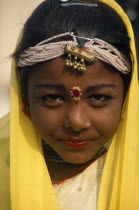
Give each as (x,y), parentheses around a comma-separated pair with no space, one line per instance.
(31,187)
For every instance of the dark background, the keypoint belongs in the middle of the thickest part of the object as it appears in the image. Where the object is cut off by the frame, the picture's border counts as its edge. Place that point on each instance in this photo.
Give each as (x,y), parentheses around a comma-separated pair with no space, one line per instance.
(131,7)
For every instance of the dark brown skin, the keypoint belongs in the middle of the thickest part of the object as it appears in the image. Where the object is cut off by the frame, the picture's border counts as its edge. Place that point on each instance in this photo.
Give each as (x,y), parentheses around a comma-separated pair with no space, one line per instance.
(56,117)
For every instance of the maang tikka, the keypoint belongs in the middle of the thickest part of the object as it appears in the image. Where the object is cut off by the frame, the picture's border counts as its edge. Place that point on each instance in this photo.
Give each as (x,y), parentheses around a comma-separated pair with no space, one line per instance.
(77,57)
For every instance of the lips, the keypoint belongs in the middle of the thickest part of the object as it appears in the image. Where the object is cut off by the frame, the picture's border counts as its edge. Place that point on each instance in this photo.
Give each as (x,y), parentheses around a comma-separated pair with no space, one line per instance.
(76,143)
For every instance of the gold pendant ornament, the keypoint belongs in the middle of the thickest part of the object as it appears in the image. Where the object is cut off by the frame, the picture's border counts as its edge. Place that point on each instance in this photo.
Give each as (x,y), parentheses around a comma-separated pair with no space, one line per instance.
(80,56)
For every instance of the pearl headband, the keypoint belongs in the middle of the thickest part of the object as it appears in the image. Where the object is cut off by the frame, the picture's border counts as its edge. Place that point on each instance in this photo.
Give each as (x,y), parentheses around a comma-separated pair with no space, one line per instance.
(102,50)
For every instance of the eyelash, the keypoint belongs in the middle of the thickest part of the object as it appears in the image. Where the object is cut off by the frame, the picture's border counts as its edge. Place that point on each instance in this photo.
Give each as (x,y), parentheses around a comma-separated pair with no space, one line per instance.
(55,99)
(99,98)
(52,99)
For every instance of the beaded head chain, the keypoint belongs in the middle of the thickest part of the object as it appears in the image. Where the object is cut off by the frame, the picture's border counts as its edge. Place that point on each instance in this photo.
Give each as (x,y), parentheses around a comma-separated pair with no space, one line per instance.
(76,57)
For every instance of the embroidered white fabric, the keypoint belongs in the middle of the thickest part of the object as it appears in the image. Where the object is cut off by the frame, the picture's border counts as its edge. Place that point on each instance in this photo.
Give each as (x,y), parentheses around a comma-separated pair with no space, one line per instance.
(81,191)
(102,50)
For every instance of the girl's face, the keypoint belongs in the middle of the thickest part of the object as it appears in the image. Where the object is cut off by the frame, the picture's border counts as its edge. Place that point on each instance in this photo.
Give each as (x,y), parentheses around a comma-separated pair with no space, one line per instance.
(75,131)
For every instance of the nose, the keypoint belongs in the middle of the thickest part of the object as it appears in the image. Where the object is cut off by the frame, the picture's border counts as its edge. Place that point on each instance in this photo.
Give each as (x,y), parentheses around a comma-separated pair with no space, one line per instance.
(77,118)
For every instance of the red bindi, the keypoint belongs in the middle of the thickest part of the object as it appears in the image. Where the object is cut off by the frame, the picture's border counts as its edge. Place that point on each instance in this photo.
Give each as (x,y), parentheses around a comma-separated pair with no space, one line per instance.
(76,93)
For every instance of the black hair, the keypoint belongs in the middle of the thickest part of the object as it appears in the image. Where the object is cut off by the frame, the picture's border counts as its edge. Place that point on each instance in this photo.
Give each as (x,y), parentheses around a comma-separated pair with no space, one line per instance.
(50,18)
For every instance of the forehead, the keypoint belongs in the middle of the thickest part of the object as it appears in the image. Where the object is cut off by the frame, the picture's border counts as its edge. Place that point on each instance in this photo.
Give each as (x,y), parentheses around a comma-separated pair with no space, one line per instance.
(56,72)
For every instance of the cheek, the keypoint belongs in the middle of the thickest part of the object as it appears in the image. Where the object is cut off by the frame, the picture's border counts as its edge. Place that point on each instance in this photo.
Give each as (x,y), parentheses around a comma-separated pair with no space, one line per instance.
(108,121)
(45,121)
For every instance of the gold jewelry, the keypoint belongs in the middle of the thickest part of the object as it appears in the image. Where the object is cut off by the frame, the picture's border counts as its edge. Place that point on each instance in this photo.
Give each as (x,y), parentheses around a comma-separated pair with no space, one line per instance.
(80,57)
(93,49)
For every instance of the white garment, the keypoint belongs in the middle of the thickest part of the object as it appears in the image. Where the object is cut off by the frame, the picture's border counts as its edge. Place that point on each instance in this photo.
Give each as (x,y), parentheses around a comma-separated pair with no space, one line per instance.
(81,191)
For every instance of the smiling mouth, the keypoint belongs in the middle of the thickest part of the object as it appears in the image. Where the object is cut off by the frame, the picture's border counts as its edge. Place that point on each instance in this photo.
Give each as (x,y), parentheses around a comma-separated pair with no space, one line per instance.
(77,143)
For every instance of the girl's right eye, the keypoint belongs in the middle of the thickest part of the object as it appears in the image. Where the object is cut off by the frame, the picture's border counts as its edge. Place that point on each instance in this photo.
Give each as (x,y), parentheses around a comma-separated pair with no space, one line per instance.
(52,100)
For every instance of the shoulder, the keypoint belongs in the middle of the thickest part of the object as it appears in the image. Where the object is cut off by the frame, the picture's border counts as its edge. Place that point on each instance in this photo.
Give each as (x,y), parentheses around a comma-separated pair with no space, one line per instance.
(4,163)
(4,141)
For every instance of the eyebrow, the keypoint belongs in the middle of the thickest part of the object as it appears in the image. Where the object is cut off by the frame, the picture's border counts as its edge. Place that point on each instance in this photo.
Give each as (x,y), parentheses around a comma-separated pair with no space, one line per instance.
(52,87)
(99,87)
(62,88)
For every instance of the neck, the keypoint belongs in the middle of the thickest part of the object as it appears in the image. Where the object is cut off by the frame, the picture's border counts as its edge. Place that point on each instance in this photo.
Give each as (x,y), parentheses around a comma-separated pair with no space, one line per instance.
(61,170)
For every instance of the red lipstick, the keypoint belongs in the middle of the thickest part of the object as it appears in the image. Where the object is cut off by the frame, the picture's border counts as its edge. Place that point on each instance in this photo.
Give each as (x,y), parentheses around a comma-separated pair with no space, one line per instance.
(76,143)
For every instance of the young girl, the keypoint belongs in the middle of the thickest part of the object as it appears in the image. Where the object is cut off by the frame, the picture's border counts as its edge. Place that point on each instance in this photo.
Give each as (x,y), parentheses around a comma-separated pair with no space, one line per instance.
(74,109)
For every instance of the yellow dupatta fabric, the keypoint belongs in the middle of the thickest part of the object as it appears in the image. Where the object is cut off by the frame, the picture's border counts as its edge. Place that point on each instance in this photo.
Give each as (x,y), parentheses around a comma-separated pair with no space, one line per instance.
(4,164)
(120,181)
(31,187)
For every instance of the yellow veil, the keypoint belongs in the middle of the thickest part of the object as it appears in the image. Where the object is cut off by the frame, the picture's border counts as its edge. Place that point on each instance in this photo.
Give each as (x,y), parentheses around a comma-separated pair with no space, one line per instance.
(31,187)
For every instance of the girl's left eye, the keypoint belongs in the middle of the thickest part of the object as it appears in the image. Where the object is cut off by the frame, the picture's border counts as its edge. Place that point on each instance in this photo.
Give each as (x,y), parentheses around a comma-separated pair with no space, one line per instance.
(98,98)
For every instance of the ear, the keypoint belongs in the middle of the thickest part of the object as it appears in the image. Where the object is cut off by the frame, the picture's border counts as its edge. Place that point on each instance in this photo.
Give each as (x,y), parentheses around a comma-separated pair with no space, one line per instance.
(25,109)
